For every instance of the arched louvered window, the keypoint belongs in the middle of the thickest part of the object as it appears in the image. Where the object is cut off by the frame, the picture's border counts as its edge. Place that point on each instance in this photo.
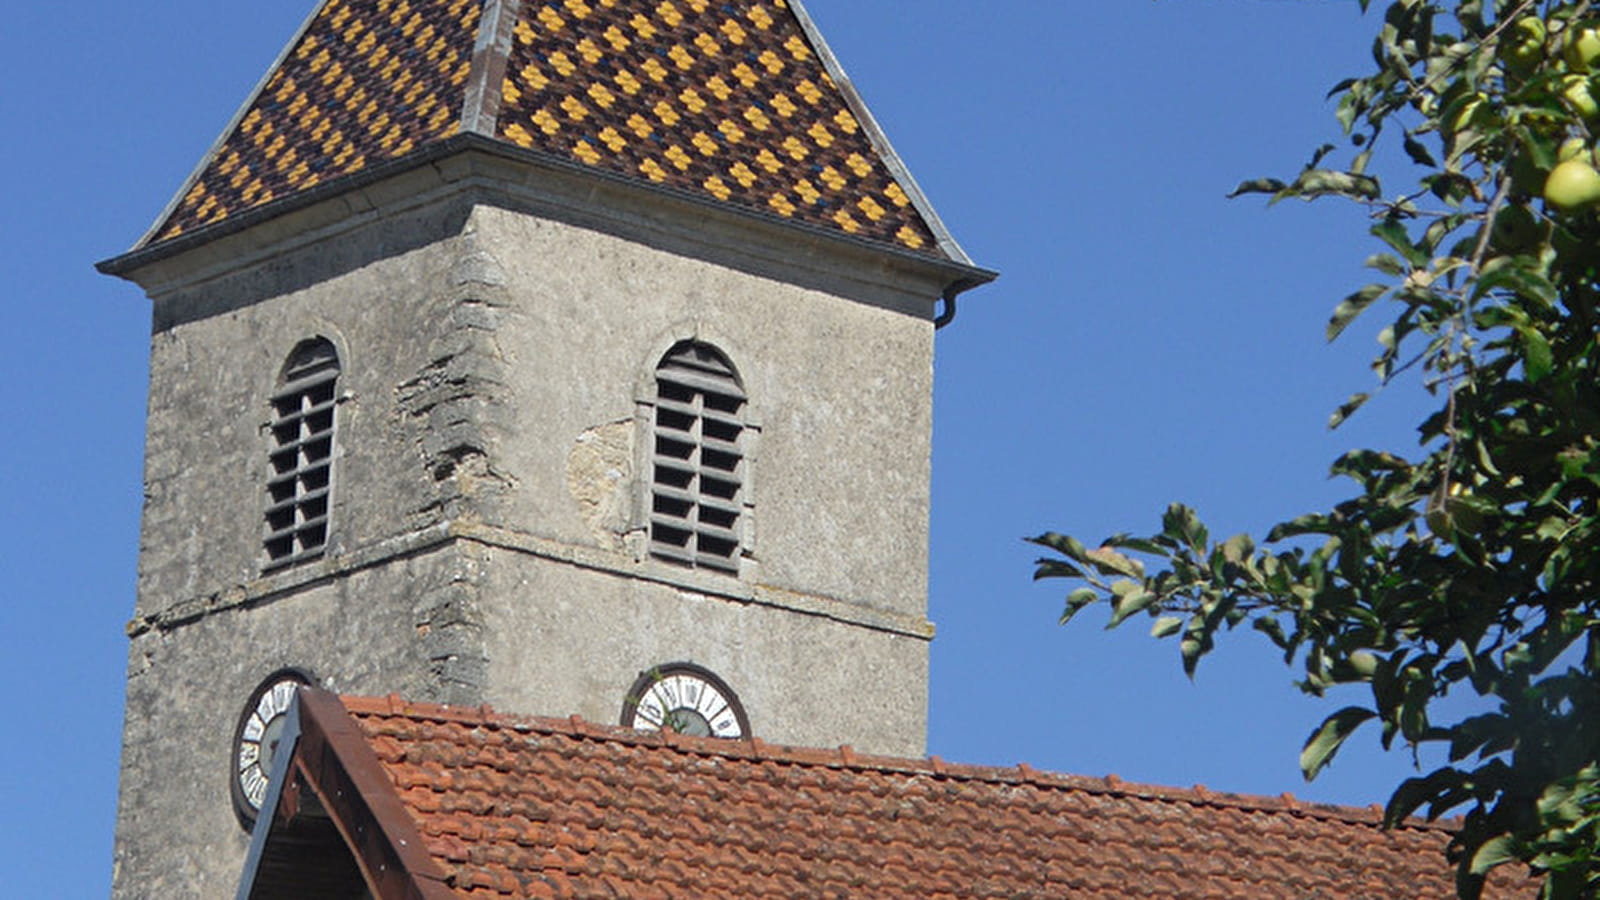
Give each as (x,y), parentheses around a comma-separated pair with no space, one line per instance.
(301,458)
(698,460)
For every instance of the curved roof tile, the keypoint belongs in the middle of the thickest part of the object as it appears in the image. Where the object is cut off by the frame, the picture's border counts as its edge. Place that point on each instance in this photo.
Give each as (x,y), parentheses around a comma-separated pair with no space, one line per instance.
(514,807)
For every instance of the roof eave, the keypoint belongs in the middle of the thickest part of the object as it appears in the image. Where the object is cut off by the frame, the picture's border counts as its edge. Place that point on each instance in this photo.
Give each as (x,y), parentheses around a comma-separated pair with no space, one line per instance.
(958,276)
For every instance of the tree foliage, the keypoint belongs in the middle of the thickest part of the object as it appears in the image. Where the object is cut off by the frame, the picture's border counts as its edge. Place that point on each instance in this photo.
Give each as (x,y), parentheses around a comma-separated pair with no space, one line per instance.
(1472,562)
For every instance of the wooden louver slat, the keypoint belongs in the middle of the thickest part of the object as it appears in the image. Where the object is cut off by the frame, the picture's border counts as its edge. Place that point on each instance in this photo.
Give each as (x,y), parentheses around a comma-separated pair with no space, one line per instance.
(698,460)
(300,461)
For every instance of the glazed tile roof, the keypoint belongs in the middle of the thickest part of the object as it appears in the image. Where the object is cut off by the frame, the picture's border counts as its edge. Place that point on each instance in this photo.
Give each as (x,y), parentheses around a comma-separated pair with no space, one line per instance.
(539,808)
(734,101)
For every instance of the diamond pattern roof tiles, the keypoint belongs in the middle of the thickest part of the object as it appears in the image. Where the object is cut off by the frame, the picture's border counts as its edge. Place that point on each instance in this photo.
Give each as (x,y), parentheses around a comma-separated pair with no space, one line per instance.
(738,102)
(542,808)
(367,80)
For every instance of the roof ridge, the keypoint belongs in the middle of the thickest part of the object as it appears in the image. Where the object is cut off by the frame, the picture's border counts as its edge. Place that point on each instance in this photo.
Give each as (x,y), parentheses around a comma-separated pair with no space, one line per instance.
(876,136)
(480,110)
(847,757)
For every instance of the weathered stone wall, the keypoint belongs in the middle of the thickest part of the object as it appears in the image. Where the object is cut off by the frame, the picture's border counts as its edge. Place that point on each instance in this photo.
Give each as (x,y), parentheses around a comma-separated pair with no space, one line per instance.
(364,633)
(419,395)
(391,607)
(487,534)
(574,639)
(840,391)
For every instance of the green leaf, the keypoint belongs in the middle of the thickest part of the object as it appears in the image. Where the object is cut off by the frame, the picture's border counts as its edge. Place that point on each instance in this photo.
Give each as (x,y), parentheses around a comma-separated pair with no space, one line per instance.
(1347,409)
(1055,568)
(1064,544)
(1314,183)
(1180,525)
(1414,792)
(1537,359)
(1273,629)
(1387,264)
(1166,626)
(1353,306)
(1419,154)
(1110,562)
(1393,233)
(1329,737)
(1493,852)
(1505,274)
(1257,186)
(1076,601)
(1196,643)
(1126,606)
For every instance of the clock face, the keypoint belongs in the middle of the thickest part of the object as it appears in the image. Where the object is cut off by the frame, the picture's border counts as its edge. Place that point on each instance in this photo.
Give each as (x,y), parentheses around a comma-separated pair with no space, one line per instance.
(256,740)
(686,699)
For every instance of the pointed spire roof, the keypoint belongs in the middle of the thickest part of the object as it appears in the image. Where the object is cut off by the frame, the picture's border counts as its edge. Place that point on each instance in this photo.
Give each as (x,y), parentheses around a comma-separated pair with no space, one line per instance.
(738,102)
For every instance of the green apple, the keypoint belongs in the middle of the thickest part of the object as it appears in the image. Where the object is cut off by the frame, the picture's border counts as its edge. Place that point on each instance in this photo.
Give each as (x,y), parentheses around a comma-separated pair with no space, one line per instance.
(1529,30)
(1572,185)
(1572,148)
(1524,47)
(1364,663)
(1575,92)
(1582,46)
(1516,230)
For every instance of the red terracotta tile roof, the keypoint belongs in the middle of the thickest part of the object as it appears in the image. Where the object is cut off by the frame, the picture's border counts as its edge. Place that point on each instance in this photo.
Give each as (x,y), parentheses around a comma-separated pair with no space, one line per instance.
(538,808)
(734,101)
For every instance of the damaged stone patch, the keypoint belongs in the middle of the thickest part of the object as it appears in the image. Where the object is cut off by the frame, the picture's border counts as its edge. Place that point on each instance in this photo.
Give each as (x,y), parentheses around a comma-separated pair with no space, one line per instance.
(599,475)
(457,404)
(450,632)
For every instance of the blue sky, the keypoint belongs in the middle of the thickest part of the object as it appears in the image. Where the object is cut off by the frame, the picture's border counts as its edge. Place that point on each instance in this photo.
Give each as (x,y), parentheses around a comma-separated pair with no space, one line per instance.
(1149,341)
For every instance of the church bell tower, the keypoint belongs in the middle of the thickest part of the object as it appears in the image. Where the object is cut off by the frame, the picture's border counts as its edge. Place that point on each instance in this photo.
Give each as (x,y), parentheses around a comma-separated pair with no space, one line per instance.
(568,356)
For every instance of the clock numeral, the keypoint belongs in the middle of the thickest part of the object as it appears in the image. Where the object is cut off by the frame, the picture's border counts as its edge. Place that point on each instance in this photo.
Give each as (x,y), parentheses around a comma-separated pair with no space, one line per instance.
(711,703)
(650,711)
(249,755)
(283,694)
(254,728)
(255,787)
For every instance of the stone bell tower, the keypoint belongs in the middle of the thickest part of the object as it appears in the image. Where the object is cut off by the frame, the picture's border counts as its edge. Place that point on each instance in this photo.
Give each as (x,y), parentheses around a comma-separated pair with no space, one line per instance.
(572,357)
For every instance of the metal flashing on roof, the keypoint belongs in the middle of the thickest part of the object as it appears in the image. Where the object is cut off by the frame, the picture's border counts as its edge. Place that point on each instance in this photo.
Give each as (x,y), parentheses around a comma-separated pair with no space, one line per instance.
(481,110)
